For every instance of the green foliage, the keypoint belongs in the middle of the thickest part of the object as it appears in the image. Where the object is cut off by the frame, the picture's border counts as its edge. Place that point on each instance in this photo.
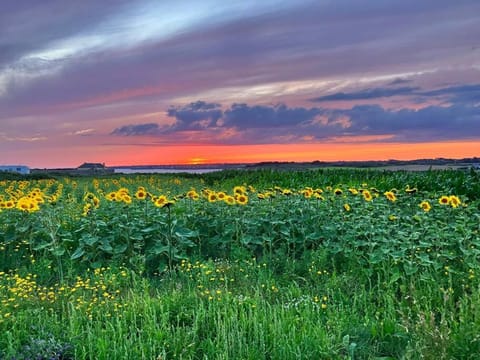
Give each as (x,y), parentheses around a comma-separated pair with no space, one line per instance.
(287,275)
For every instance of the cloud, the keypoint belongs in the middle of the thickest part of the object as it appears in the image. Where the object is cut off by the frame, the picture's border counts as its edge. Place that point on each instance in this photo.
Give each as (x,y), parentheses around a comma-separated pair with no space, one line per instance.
(367,94)
(262,124)
(457,94)
(320,38)
(432,123)
(195,116)
(469,94)
(136,130)
(399,81)
(243,116)
(83,132)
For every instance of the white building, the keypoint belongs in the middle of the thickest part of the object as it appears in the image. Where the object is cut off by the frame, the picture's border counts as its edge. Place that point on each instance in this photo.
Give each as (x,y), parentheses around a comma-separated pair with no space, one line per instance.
(20,169)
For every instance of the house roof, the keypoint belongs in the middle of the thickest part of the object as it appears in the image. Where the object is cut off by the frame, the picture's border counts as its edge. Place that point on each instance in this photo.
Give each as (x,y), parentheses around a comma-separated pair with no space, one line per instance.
(92,166)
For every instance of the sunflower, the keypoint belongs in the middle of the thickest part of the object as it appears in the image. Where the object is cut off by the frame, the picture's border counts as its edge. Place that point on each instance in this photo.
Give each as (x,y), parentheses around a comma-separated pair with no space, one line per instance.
(87,208)
(287,192)
(212,197)
(240,190)
(347,207)
(425,205)
(221,195)
(353,191)
(168,203)
(141,194)
(444,200)
(127,199)
(24,204)
(160,201)
(96,202)
(242,199)
(410,190)
(390,196)
(88,196)
(111,196)
(392,217)
(338,191)
(454,201)
(367,195)
(192,194)
(307,193)
(122,191)
(230,200)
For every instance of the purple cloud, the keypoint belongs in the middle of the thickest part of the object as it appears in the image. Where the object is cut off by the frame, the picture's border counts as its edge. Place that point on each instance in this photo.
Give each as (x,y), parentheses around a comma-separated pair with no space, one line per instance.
(251,124)
(136,130)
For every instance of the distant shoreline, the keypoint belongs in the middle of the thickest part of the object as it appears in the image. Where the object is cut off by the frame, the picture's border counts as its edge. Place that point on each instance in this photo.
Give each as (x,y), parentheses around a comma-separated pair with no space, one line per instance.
(409,165)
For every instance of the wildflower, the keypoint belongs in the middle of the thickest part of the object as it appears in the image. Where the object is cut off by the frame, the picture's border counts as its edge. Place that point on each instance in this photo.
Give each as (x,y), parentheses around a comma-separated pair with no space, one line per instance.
(444,200)
(390,196)
(425,205)
(367,195)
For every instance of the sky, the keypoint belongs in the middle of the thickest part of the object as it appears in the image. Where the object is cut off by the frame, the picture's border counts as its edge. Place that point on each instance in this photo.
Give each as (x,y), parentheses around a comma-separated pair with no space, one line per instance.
(211,81)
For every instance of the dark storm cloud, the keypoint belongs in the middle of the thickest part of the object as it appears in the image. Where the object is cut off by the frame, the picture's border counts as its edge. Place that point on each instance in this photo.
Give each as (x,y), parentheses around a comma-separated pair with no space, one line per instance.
(136,130)
(367,94)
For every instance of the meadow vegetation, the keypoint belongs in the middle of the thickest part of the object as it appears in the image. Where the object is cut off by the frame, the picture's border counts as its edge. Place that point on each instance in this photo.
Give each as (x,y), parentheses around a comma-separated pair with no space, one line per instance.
(265,264)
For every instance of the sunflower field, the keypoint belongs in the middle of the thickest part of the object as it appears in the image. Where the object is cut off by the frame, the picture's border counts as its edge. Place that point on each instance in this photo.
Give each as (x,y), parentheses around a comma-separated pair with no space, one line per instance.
(264,264)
